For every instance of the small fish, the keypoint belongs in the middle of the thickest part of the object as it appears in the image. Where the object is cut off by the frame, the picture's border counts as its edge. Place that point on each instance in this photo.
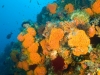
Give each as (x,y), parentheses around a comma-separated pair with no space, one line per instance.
(30,1)
(9,35)
(2,6)
(38,3)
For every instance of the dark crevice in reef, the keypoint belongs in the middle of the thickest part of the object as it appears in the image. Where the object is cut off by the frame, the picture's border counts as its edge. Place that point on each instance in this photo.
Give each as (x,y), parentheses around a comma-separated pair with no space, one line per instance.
(95,40)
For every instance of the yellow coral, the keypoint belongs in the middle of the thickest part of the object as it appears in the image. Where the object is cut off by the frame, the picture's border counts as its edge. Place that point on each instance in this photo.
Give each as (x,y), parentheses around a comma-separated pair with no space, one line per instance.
(98,71)
(40,70)
(24,51)
(55,36)
(65,54)
(52,8)
(80,41)
(78,38)
(80,17)
(69,8)
(80,51)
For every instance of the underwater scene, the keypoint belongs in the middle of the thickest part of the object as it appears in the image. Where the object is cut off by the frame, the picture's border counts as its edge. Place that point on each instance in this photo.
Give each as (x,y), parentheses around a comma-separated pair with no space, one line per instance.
(64,39)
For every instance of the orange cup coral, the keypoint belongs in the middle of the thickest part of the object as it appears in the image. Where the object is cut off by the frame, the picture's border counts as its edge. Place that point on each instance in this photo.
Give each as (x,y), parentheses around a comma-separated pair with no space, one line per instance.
(45,47)
(96,7)
(28,40)
(52,8)
(55,36)
(31,31)
(69,8)
(33,48)
(43,44)
(23,65)
(30,72)
(40,70)
(91,31)
(19,65)
(89,11)
(20,37)
(34,58)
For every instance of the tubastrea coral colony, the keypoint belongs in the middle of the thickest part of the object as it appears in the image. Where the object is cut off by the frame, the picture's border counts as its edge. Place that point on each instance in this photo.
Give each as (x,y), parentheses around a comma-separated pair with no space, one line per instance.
(64,41)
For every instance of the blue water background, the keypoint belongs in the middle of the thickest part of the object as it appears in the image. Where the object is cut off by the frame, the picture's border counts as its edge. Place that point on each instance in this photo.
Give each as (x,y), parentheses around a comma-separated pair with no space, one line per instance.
(13,13)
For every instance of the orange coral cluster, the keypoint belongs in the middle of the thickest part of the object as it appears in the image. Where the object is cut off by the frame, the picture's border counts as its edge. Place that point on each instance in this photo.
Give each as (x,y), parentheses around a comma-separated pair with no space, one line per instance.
(23,65)
(45,46)
(69,8)
(80,51)
(29,39)
(79,41)
(91,31)
(40,70)
(30,72)
(52,8)
(34,58)
(55,37)
(20,37)
(31,31)
(89,11)
(96,7)
(30,46)
(33,48)
(60,41)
